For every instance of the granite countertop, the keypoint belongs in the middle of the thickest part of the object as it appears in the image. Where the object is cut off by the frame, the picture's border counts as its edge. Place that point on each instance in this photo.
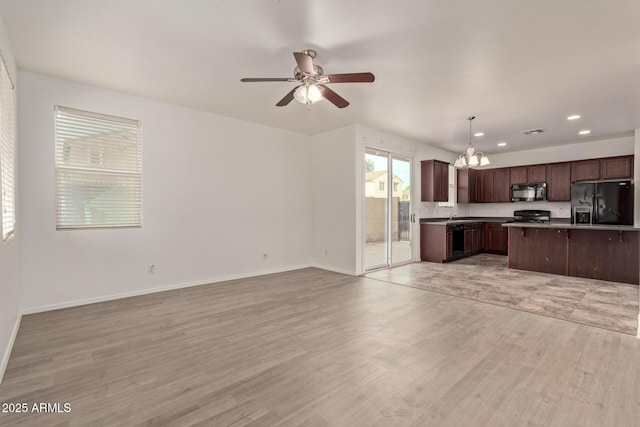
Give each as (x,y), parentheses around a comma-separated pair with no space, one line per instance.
(566,224)
(463,220)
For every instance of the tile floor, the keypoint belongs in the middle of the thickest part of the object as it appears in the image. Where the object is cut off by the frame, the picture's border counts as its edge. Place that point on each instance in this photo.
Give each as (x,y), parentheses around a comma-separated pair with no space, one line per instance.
(486,278)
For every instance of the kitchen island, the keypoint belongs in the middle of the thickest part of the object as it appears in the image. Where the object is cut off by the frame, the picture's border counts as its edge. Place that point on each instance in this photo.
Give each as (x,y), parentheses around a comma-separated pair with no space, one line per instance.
(604,252)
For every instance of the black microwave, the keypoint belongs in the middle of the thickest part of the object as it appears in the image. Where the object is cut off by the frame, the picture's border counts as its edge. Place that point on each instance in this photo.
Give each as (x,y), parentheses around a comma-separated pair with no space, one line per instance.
(529,192)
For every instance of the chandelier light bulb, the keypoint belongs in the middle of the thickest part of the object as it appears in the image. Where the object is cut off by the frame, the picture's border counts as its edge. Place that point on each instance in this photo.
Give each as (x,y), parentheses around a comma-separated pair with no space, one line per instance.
(313,93)
(470,157)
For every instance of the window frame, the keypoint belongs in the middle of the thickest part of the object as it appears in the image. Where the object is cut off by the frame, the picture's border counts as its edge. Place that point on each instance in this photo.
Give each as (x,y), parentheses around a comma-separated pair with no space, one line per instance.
(8,196)
(91,169)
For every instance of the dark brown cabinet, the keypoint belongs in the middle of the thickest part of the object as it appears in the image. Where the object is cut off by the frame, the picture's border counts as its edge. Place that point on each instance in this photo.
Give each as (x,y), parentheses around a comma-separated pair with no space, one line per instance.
(468,240)
(434,181)
(559,182)
(538,249)
(501,186)
(596,254)
(518,175)
(436,242)
(604,255)
(467,185)
(585,170)
(537,173)
(485,186)
(616,167)
(494,185)
(495,238)
(477,245)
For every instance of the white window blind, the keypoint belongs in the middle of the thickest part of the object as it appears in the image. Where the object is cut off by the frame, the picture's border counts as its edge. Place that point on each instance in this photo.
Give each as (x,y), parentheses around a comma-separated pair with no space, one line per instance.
(98,170)
(7,153)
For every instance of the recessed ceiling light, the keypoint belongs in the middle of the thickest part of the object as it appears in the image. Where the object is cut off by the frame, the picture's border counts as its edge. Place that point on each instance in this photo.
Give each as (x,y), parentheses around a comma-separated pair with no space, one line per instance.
(479,134)
(584,132)
(574,117)
(501,144)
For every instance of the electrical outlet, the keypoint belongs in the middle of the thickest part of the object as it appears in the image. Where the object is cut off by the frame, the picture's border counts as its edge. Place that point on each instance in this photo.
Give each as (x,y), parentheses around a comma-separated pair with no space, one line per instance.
(151,268)
(265,256)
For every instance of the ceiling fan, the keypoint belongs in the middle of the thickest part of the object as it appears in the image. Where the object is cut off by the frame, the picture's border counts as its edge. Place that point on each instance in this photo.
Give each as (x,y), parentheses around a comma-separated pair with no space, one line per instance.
(312,87)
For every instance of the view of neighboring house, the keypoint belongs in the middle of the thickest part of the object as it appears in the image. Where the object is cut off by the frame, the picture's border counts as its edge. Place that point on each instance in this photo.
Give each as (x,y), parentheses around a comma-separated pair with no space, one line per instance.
(376,185)
(376,192)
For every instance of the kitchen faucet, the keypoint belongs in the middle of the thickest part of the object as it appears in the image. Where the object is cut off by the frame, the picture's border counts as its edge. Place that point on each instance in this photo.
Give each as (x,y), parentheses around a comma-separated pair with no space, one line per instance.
(452,216)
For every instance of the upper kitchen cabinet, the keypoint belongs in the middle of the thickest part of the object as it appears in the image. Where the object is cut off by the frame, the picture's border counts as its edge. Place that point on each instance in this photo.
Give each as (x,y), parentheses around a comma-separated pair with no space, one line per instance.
(585,170)
(519,175)
(537,173)
(559,182)
(485,186)
(434,180)
(467,185)
(501,186)
(616,167)
(528,174)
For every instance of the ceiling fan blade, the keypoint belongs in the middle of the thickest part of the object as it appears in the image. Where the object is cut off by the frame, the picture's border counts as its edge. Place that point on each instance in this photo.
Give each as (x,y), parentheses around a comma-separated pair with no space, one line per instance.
(287,98)
(333,97)
(269,79)
(305,62)
(349,78)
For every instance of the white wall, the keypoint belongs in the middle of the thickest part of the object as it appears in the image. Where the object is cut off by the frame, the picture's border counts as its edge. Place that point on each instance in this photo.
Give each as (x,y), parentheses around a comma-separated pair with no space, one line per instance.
(333,160)
(9,250)
(218,193)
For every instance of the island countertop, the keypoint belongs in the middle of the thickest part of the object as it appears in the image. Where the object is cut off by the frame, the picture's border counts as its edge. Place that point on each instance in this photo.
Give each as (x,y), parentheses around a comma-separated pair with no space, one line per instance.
(566,224)
(463,220)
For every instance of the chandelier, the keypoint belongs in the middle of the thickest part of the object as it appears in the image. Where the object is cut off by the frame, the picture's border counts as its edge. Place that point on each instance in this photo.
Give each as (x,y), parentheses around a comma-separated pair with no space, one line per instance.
(470,157)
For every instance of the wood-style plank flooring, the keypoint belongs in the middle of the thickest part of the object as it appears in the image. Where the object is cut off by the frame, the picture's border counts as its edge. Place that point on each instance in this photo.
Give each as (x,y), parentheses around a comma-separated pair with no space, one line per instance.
(316,348)
(486,278)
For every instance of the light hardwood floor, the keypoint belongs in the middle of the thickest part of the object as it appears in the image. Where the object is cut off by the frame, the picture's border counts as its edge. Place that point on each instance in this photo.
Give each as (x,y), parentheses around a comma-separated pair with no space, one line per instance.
(317,348)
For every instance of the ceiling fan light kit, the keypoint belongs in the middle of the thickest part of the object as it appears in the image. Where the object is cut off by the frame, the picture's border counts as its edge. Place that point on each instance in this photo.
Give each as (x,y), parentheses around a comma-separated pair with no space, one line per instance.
(313,81)
(470,157)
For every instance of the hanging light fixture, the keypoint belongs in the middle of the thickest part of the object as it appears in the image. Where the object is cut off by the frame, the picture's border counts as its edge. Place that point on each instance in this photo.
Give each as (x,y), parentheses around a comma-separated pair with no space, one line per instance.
(470,157)
(308,93)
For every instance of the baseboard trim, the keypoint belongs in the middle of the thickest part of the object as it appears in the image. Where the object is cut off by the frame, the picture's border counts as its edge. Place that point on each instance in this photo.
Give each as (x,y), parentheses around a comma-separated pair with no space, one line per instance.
(7,352)
(335,270)
(111,297)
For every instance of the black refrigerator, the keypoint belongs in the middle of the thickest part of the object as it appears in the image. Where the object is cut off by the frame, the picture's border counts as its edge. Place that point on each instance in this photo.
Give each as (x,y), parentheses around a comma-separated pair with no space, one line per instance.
(609,202)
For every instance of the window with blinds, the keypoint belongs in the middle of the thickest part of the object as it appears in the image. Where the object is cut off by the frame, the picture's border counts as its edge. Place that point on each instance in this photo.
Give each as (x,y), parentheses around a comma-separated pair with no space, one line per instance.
(98,170)
(7,153)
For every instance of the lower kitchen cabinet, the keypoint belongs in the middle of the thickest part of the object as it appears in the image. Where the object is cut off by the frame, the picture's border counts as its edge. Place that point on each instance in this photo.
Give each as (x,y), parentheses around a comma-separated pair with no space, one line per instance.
(436,242)
(496,239)
(468,240)
(478,237)
(538,249)
(604,255)
(594,254)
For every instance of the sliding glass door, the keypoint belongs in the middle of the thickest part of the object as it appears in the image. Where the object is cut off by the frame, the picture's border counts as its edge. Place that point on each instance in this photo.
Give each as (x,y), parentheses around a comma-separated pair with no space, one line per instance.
(387,187)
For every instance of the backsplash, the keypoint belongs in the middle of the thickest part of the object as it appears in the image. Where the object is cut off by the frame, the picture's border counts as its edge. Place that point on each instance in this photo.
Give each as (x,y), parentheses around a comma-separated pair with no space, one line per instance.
(558,209)
(432,210)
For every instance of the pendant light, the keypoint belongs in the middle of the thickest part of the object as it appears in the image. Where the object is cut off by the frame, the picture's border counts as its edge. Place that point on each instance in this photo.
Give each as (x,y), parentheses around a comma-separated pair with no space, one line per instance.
(470,157)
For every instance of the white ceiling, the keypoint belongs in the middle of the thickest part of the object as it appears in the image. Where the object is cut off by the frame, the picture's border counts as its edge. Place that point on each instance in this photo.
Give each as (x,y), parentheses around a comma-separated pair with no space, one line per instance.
(514,64)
